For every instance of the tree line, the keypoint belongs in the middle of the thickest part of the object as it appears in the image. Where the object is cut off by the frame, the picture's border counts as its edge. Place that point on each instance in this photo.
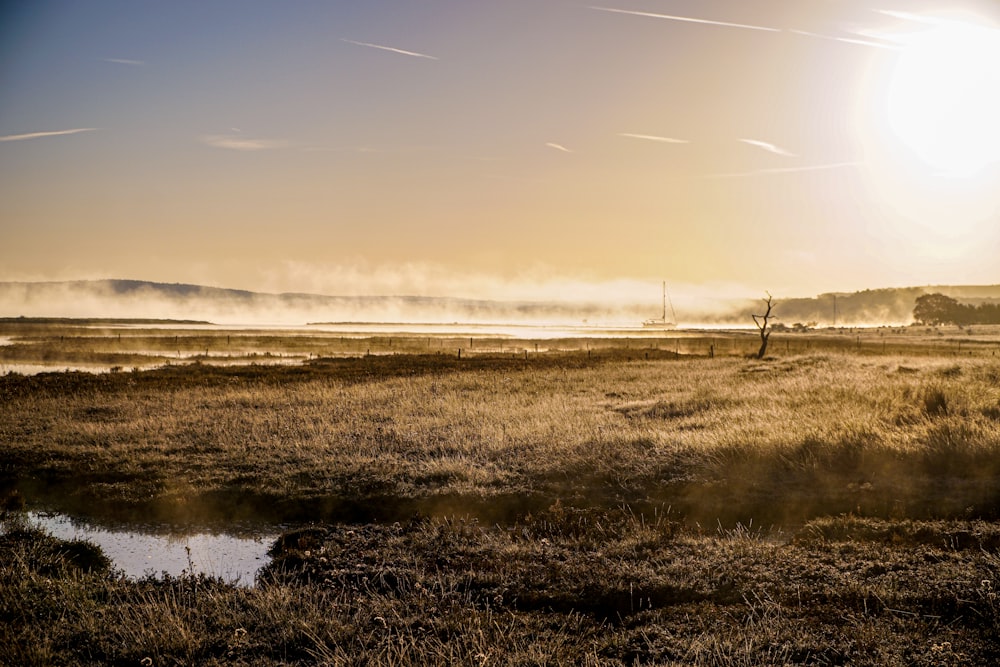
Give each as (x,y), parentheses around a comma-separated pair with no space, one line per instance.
(936,309)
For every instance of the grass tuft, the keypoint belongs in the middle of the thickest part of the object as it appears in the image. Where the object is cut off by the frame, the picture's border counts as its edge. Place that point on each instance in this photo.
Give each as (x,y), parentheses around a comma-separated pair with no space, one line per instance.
(934,402)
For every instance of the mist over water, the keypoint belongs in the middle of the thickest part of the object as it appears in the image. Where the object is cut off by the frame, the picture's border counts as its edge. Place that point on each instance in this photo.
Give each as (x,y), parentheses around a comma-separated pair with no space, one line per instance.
(562,304)
(557,303)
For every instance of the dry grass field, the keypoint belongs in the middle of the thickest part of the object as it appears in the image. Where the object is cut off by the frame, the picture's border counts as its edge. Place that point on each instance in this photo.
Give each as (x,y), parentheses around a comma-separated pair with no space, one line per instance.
(606,501)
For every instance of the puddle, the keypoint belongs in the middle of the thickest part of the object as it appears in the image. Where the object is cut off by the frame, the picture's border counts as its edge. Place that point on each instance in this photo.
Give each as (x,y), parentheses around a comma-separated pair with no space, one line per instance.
(236,559)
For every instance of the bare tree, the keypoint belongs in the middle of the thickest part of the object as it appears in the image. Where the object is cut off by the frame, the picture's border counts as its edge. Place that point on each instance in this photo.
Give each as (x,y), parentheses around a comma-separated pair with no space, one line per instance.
(761,321)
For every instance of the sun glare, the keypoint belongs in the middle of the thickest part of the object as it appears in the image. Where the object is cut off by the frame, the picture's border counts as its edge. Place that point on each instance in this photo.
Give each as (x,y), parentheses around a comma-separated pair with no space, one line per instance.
(944,94)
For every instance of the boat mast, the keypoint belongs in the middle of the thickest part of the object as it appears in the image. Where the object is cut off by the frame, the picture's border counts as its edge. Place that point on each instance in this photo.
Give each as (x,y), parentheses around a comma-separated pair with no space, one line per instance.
(663,321)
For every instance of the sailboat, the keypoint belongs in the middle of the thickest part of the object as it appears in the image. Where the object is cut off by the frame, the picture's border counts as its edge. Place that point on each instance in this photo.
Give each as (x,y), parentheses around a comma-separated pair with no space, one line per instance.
(662,322)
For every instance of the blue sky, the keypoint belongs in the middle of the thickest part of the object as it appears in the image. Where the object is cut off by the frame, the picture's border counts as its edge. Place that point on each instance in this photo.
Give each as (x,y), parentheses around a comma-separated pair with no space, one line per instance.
(494,149)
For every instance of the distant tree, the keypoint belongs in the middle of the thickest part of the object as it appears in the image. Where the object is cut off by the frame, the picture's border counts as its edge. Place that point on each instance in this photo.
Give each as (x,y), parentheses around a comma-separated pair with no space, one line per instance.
(988,313)
(935,309)
(761,321)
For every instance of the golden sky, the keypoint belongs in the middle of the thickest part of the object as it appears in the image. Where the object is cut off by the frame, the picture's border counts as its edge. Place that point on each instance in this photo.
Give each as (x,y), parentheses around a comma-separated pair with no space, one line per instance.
(484,149)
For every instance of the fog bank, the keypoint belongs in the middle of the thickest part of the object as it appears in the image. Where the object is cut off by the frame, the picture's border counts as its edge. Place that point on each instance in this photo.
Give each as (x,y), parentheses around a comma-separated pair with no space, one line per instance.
(620,303)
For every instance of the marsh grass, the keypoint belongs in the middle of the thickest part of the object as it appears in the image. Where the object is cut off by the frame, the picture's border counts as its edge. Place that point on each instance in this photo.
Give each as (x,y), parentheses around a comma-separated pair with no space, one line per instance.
(381,438)
(611,507)
(562,586)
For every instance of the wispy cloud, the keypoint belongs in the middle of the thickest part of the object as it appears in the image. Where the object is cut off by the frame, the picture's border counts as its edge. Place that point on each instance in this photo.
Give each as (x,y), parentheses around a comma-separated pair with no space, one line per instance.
(389,48)
(558,147)
(787,170)
(125,61)
(771,148)
(653,137)
(240,143)
(39,135)
(686,19)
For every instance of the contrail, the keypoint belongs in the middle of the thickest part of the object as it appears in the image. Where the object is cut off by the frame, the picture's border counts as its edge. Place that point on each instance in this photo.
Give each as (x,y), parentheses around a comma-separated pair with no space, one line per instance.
(745,26)
(558,147)
(786,170)
(686,19)
(36,135)
(908,16)
(771,148)
(846,40)
(653,137)
(125,61)
(389,48)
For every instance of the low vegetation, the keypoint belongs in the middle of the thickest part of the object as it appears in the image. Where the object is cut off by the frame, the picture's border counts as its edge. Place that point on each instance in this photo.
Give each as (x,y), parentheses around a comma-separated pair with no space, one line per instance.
(620,505)
(777,441)
(562,587)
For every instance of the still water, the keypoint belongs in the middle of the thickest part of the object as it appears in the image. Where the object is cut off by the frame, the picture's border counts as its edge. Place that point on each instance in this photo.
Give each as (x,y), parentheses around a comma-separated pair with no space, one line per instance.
(138,553)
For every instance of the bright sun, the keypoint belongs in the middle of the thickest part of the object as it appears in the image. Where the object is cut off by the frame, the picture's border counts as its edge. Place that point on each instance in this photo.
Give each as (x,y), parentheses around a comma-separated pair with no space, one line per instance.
(944,94)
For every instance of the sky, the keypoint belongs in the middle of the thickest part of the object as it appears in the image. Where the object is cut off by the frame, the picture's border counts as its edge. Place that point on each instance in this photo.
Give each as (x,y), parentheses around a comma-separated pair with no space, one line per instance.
(514,149)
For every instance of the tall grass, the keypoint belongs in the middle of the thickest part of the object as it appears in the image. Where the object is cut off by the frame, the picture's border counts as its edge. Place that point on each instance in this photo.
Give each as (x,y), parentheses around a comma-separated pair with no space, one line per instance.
(843,433)
(564,586)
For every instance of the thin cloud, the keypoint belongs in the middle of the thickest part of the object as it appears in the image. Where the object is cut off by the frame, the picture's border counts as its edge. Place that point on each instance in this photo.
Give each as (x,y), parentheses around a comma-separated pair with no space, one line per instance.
(787,170)
(558,147)
(238,143)
(390,48)
(686,19)
(653,137)
(771,148)
(125,61)
(39,135)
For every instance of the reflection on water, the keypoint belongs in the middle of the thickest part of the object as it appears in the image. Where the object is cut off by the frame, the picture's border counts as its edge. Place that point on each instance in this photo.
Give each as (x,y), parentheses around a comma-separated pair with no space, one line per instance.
(236,559)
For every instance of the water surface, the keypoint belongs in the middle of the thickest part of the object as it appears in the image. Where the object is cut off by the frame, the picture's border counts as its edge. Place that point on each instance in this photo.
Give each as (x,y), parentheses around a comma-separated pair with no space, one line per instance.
(138,552)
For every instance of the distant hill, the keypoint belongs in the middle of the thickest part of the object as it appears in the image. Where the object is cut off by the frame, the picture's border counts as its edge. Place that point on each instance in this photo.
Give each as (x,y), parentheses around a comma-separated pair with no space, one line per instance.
(132,299)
